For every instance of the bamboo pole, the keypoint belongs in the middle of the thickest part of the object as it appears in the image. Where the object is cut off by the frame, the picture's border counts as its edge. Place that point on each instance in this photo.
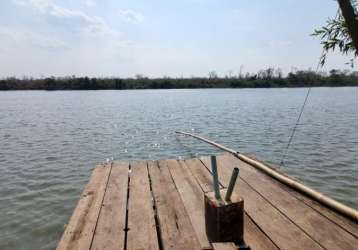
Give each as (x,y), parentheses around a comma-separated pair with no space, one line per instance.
(214,170)
(323,199)
(235,173)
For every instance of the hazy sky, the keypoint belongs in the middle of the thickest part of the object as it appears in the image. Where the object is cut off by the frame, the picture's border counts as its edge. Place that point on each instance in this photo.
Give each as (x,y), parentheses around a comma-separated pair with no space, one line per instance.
(159,37)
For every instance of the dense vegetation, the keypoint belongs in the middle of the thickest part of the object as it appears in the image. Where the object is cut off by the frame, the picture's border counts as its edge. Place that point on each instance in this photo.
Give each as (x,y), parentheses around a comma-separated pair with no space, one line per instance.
(269,78)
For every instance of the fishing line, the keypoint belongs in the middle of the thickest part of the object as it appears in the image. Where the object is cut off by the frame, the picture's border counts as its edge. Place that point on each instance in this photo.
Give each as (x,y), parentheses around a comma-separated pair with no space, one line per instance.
(112,142)
(285,152)
(187,146)
(295,127)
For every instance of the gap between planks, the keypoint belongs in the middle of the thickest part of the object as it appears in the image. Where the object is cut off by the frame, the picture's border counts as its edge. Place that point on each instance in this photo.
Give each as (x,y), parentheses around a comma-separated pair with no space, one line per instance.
(80,229)
(253,234)
(155,184)
(283,232)
(329,235)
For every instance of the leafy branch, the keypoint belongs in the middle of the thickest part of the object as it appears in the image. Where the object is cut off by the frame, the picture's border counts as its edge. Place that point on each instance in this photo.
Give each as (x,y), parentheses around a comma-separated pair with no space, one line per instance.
(335,35)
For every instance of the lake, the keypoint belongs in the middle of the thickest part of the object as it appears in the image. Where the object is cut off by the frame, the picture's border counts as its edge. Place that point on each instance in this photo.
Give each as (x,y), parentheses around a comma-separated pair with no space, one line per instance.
(51,141)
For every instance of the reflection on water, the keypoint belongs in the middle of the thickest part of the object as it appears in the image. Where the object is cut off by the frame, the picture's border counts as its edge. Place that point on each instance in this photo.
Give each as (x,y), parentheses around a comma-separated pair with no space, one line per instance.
(50,142)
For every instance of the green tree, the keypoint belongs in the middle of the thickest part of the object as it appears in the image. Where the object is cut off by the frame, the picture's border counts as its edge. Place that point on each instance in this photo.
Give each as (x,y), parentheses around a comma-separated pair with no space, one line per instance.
(340,32)
(50,83)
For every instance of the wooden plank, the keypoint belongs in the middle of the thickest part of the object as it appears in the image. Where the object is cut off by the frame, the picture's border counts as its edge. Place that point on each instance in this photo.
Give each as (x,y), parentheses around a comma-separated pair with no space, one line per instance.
(224,246)
(329,235)
(142,232)
(345,223)
(192,197)
(336,218)
(202,175)
(176,229)
(282,231)
(110,232)
(79,232)
(253,235)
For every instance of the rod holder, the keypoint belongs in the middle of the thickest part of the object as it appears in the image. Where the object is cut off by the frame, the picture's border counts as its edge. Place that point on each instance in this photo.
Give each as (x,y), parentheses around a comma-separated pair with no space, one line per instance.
(224,221)
(235,173)
(214,170)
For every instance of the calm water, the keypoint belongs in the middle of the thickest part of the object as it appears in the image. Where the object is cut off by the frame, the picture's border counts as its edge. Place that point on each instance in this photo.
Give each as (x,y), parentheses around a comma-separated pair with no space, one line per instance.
(50,142)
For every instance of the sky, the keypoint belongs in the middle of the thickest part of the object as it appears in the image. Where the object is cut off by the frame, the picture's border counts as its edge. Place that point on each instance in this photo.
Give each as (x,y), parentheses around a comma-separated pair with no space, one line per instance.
(177,38)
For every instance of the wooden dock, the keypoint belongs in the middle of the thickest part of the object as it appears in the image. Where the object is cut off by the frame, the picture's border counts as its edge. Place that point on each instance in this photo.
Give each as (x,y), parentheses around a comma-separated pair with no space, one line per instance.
(160,205)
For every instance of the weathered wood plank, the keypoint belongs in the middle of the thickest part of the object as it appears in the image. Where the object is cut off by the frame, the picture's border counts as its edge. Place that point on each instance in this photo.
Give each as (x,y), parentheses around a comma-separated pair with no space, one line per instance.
(79,232)
(329,235)
(253,235)
(202,175)
(340,220)
(110,232)
(192,197)
(224,246)
(276,216)
(176,229)
(335,217)
(142,232)
(282,231)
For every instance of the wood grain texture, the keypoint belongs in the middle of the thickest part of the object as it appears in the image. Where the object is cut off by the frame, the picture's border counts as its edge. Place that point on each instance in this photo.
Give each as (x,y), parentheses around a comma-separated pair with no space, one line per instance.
(142,232)
(253,235)
(318,227)
(224,221)
(335,217)
(192,197)
(348,225)
(176,229)
(165,209)
(110,232)
(323,199)
(283,232)
(224,246)
(202,175)
(79,231)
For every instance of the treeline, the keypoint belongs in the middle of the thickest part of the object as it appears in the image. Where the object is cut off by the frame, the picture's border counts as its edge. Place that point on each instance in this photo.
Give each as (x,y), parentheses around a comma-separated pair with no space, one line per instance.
(268,78)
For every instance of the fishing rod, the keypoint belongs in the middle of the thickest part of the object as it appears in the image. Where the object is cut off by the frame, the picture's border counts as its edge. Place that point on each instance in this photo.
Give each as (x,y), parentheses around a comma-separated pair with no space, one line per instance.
(343,209)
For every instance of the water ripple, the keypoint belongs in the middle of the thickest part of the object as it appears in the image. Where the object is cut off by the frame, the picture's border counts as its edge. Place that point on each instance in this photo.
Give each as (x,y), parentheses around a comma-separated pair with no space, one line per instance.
(51,141)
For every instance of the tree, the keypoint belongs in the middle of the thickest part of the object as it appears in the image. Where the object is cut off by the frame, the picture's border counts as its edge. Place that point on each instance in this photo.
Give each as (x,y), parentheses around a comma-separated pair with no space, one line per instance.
(278,73)
(349,11)
(341,31)
(213,75)
(3,85)
(50,83)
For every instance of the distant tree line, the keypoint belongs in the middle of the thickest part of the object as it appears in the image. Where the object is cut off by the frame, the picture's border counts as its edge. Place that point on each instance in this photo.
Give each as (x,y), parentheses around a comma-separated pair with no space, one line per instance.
(268,78)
